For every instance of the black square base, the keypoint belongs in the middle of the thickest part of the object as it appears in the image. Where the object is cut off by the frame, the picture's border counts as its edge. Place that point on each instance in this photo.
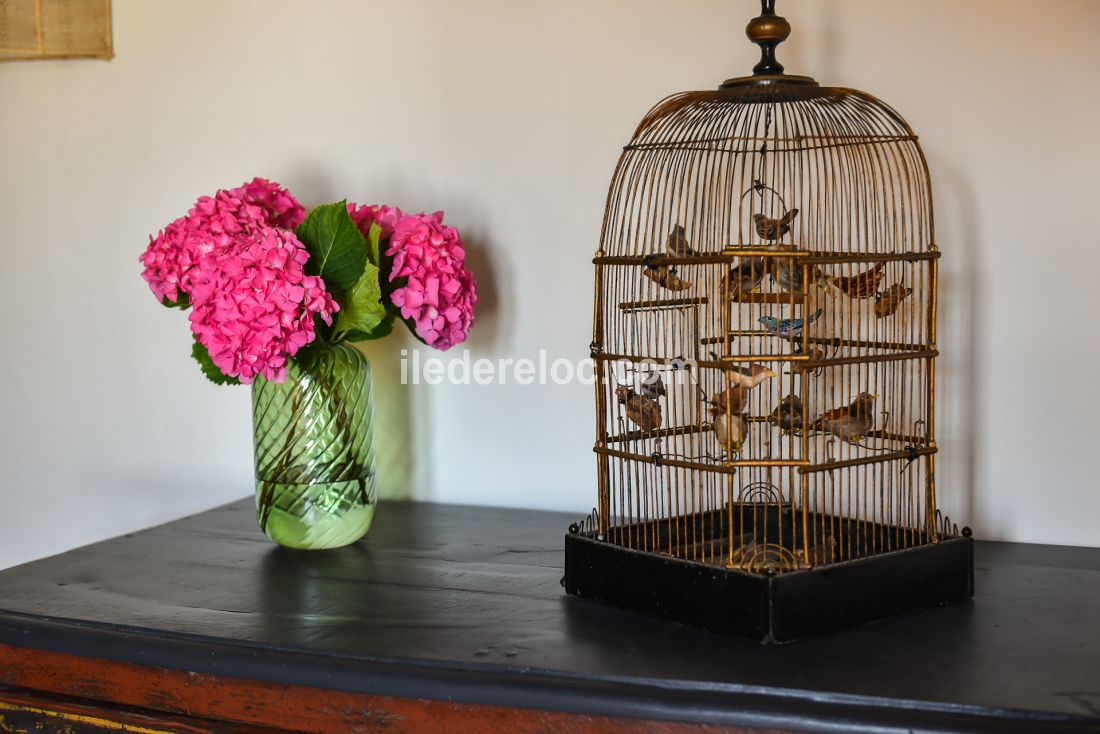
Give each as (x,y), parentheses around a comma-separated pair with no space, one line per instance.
(770,608)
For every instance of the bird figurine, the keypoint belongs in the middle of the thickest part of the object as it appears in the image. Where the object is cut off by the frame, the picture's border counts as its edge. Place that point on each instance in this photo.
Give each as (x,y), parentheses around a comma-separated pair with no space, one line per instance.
(666,277)
(864,285)
(750,376)
(850,423)
(677,243)
(887,302)
(772,229)
(787,273)
(729,428)
(652,386)
(789,329)
(642,411)
(788,415)
(746,276)
(732,399)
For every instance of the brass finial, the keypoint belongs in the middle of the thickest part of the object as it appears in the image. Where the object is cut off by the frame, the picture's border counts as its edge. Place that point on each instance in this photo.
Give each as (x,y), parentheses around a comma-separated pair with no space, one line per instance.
(767,31)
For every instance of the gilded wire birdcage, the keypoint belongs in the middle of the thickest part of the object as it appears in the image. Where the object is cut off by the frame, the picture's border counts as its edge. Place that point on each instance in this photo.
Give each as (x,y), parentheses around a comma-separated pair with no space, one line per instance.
(765,346)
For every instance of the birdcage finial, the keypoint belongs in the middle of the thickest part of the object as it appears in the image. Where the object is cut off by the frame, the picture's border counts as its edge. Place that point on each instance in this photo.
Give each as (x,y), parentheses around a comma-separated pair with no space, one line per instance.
(767,31)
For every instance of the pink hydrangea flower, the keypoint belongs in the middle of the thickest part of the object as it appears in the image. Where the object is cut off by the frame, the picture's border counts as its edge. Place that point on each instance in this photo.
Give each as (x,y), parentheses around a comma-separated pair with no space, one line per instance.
(280,208)
(440,293)
(253,304)
(387,218)
(166,259)
(211,226)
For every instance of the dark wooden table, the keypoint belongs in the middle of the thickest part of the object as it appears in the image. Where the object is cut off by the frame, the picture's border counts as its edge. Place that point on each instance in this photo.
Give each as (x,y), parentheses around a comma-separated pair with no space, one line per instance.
(451,619)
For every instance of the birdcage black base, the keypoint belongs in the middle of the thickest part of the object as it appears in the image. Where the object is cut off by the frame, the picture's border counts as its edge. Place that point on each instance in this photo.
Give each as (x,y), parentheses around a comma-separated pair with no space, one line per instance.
(769,608)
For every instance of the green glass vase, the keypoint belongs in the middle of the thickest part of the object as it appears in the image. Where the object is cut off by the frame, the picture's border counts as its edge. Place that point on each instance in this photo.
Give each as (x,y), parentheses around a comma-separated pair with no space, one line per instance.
(314,442)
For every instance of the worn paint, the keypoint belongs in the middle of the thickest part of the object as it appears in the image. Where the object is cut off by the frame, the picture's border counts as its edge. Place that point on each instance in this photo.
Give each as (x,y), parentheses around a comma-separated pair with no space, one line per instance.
(302,708)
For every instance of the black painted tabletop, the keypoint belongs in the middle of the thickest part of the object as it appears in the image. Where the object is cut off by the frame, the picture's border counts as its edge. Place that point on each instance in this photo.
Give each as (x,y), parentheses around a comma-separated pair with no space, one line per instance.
(464,603)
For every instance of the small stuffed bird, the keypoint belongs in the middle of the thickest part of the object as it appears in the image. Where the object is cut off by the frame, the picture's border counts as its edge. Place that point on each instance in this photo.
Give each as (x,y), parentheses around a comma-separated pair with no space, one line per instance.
(788,416)
(677,244)
(652,386)
(732,399)
(850,423)
(742,380)
(750,376)
(786,272)
(642,411)
(864,285)
(772,229)
(746,276)
(789,329)
(666,277)
(729,429)
(887,302)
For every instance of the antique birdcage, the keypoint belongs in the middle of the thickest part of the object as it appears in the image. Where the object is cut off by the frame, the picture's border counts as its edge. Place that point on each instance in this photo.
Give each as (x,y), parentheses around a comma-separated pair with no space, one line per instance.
(765,345)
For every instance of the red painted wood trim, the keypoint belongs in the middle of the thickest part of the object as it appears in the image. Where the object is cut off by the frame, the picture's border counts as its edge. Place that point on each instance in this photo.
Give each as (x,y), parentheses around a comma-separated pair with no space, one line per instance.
(300,708)
(46,713)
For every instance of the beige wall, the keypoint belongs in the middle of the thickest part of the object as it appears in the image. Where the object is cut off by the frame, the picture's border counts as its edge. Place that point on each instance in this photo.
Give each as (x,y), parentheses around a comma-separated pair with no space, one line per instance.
(509,115)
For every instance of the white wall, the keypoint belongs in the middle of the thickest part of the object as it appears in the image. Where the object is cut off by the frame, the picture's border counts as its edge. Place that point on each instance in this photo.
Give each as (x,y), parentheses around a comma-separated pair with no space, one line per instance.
(509,115)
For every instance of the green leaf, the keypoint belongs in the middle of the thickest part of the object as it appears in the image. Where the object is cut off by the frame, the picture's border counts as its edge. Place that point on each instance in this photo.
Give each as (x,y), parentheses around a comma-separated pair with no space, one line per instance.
(337,250)
(182,302)
(202,356)
(385,328)
(374,239)
(363,310)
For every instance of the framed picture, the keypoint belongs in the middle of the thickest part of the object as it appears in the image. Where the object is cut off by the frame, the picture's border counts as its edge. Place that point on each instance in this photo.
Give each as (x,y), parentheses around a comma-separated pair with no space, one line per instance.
(55,29)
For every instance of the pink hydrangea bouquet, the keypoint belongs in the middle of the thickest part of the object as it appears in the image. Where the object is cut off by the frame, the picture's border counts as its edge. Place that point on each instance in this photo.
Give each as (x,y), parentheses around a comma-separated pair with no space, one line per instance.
(263,279)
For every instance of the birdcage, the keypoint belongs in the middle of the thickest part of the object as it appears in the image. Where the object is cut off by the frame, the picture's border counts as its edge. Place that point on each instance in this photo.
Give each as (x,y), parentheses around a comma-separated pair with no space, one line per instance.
(765,348)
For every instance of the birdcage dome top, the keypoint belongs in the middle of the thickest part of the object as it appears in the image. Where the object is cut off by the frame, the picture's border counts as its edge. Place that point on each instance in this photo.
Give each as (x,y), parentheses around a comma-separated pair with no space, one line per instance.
(788,116)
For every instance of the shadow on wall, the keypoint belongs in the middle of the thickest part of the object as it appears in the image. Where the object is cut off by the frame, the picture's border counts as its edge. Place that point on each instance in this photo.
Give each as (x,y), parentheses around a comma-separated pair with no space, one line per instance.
(961,325)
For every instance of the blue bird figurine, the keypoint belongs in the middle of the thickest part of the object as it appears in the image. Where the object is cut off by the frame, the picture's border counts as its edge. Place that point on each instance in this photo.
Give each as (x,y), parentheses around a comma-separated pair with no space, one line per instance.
(788,328)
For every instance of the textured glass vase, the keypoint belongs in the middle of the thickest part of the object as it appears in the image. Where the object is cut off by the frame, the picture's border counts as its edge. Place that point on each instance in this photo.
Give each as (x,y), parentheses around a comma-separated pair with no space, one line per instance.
(314,441)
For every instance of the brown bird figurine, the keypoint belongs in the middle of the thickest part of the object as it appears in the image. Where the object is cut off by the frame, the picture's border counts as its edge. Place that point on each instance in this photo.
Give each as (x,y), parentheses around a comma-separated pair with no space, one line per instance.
(786,272)
(772,229)
(732,399)
(746,276)
(666,277)
(729,429)
(642,411)
(864,285)
(652,386)
(887,302)
(850,423)
(750,376)
(677,243)
(788,416)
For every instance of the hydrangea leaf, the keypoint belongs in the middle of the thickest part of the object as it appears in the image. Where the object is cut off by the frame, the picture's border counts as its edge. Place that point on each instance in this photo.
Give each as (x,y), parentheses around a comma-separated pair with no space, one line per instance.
(337,250)
(374,239)
(202,356)
(363,311)
(182,302)
(385,328)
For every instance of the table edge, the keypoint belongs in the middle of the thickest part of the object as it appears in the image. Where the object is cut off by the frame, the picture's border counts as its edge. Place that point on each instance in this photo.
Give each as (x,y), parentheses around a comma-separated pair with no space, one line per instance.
(701,702)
